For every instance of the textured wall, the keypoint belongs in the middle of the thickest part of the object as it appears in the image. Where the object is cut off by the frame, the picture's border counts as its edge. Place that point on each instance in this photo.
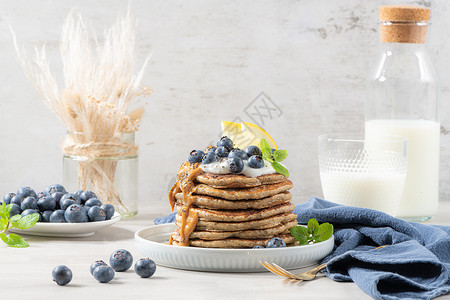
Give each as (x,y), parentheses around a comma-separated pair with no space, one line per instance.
(211,59)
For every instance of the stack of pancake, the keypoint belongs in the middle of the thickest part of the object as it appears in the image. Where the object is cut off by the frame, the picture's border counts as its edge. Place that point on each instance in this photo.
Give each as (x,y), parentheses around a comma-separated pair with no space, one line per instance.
(235,211)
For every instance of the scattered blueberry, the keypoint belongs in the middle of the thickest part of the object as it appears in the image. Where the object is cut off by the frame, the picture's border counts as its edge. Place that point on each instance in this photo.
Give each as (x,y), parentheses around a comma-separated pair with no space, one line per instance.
(96,213)
(145,267)
(222,151)
(236,152)
(103,274)
(86,195)
(121,260)
(29,202)
(62,275)
(71,197)
(26,191)
(75,214)
(109,210)
(16,200)
(212,148)
(226,142)
(55,188)
(93,202)
(253,150)
(7,198)
(58,217)
(235,165)
(255,162)
(275,242)
(46,216)
(15,210)
(209,158)
(258,247)
(95,264)
(195,156)
(46,203)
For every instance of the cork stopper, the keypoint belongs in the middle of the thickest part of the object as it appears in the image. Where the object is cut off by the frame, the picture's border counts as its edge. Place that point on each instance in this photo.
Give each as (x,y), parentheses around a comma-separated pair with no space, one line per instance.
(404,24)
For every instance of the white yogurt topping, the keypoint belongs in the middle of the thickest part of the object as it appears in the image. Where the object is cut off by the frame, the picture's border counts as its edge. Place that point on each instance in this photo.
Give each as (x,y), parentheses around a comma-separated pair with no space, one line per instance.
(221,167)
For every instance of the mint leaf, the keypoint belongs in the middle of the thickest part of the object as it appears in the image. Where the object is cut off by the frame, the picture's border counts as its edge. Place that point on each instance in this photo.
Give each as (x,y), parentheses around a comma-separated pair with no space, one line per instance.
(15,218)
(4,237)
(16,241)
(325,232)
(279,168)
(279,155)
(4,213)
(266,150)
(26,222)
(300,233)
(313,233)
(313,226)
(3,224)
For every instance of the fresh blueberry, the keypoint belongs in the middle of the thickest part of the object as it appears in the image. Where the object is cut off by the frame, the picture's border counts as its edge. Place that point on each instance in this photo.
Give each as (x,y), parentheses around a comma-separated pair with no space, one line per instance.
(71,197)
(30,211)
(235,165)
(29,202)
(93,202)
(109,210)
(95,264)
(15,210)
(46,216)
(16,200)
(236,152)
(86,195)
(211,149)
(46,203)
(75,214)
(255,162)
(195,156)
(96,213)
(121,260)
(209,158)
(57,196)
(58,217)
(275,242)
(26,191)
(222,151)
(78,193)
(253,150)
(258,247)
(55,188)
(64,204)
(41,195)
(103,274)
(226,142)
(62,275)
(7,198)
(145,267)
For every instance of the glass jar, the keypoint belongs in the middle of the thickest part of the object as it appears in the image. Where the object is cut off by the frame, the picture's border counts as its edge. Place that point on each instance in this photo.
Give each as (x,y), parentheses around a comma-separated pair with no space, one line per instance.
(403,99)
(105,164)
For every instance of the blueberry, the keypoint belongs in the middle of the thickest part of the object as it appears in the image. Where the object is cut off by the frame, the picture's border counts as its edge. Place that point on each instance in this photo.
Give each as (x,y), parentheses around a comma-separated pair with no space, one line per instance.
(226,142)
(30,211)
(235,165)
(103,274)
(258,247)
(209,158)
(75,214)
(7,198)
(46,216)
(236,152)
(16,200)
(211,149)
(253,150)
(62,275)
(58,217)
(222,151)
(255,162)
(95,264)
(145,267)
(64,204)
(86,195)
(26,191)
(46,203)
(275,242)
(55,188)
(41,195)
(71,197)
(93,202)
(195,156)
(29,202)
(15,210)
(121,260)
(96,213)
(109,210)
(57,196)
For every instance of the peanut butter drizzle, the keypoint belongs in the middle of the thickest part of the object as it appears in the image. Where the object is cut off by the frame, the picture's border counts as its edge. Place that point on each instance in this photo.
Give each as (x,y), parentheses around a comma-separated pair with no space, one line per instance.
(185,184)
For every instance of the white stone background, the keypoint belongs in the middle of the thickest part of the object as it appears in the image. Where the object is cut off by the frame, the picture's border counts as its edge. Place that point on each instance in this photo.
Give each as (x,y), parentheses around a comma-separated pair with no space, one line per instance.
(210,60)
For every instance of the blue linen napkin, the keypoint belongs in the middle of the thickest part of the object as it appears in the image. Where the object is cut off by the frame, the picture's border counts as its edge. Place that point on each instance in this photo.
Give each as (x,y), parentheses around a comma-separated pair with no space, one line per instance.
(416,265)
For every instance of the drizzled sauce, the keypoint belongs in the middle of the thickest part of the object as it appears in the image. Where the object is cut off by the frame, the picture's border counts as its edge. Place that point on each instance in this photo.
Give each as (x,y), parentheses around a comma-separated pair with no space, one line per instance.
(185,184)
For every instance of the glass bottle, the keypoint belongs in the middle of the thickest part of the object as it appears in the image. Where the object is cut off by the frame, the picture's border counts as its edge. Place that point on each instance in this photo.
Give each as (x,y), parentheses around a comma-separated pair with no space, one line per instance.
(403,99)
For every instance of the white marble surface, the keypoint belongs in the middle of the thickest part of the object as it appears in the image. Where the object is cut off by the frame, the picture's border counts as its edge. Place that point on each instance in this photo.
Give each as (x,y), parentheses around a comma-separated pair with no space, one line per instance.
(210,60)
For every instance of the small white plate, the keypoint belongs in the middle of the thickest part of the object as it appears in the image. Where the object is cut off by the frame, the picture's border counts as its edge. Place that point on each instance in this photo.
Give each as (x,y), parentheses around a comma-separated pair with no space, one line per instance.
(152,242)
(67,229)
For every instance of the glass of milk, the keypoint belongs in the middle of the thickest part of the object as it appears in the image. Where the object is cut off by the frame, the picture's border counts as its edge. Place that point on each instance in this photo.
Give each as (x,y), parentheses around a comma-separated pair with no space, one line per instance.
(360,172)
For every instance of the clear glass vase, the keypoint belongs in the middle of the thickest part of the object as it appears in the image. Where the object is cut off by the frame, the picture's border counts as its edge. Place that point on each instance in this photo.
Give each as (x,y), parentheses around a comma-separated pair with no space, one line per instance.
(105,164)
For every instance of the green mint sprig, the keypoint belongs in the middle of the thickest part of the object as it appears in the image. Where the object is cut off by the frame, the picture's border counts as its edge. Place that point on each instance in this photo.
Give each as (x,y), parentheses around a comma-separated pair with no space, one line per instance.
(313,233)
(274,157)
(17,221)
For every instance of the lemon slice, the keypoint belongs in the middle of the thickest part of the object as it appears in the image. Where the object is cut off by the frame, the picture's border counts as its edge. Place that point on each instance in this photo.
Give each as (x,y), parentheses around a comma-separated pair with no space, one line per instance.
(246,134)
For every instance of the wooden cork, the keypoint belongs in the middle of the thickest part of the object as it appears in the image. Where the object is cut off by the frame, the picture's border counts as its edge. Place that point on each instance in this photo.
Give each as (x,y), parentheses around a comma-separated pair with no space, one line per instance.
(399,24)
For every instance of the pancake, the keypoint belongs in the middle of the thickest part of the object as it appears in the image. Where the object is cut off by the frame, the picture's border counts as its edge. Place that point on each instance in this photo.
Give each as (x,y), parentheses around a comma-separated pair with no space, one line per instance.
(239,215)
(226,181)
(258,192)
(203,201)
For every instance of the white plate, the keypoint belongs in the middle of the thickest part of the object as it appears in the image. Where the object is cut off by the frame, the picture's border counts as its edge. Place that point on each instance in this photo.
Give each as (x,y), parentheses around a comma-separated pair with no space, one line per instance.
(151,242)
(67,229)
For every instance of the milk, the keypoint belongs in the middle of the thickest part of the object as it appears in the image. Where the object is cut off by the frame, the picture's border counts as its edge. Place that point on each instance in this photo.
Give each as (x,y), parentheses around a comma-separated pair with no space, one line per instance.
(421,190)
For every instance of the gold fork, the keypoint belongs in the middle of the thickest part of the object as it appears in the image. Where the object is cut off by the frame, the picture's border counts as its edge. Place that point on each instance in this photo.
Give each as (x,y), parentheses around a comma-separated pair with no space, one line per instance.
(308,275)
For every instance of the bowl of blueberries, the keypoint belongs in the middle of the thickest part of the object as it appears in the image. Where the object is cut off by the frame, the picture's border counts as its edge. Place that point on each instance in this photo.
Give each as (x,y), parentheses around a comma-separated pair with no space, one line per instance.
(61,214)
